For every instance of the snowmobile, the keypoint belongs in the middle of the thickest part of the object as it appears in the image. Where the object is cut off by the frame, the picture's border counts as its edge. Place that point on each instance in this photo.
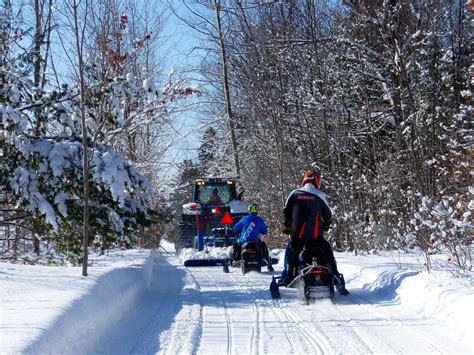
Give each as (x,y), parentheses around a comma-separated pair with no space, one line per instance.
(315,280)
(205,229)
(251,259)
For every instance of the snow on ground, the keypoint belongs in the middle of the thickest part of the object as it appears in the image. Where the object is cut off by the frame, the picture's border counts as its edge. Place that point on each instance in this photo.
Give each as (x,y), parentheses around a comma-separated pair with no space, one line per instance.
(214,253)
(144,303)
(208,253)
(47,309)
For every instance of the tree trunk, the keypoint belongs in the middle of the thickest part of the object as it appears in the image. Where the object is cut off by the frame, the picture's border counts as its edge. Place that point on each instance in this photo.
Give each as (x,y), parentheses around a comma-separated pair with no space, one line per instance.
(85,160)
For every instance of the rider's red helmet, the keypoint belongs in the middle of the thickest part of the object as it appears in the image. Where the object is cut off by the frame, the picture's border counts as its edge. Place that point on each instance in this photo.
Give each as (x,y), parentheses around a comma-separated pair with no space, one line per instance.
(313,176)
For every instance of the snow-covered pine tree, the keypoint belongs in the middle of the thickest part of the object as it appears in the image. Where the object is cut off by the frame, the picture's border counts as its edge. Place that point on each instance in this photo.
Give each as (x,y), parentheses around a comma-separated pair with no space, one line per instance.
(41,150)
(42,173)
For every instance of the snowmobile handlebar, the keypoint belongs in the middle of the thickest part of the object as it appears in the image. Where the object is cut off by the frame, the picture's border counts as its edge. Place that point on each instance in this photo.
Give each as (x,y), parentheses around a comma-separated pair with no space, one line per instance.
(307,269)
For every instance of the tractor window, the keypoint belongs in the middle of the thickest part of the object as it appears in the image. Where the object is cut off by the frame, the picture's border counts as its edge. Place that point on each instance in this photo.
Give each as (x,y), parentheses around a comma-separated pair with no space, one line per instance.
(215,193)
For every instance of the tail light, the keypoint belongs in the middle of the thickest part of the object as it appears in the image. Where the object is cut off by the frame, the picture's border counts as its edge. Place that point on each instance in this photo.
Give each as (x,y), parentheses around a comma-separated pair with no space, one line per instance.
(317,271)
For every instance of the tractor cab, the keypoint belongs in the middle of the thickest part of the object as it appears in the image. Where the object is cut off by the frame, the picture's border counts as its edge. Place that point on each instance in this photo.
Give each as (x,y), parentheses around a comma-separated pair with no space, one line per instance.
(208,219)
(214,191)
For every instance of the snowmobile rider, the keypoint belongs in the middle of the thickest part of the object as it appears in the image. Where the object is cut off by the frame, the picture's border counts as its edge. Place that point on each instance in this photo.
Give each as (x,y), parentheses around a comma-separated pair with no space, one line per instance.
(307,215)
(250,228)
(214,198)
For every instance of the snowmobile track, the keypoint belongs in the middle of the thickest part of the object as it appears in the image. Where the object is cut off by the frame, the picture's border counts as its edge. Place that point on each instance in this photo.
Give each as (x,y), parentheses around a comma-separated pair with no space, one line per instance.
(230,332)
(390,317)
(262,348)
(187,342)
(255,339)
(257,326)
(317,341)
(291,323)
(360,342)
(367,336)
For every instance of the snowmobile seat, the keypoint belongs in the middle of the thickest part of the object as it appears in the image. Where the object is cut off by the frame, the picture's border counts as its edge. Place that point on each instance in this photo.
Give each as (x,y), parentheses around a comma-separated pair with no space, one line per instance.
(309,252)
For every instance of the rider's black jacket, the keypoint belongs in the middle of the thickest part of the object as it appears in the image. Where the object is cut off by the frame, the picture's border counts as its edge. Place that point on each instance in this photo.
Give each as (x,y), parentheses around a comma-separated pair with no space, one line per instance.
(307,213)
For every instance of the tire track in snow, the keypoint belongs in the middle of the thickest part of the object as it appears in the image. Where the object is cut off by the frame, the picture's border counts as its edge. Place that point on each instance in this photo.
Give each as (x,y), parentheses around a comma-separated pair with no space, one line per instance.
(332,321)
(255,341)
(184,335)
(367,337)
(278,325)
(259,347)
(286,320)
(295,348)
(230,333)
(312,335)
(321,334)
(252,286)
(393,319)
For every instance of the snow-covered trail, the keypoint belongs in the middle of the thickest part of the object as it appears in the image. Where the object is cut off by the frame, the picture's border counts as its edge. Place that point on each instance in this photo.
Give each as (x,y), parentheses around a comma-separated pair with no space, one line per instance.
(204,311)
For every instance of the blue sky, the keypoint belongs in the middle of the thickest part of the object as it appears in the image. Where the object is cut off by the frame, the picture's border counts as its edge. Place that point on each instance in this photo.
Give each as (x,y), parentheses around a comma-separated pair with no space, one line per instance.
(177,49)
(181,56)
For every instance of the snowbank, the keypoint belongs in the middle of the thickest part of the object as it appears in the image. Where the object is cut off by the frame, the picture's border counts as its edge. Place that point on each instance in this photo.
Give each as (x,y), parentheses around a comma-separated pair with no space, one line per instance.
(400,278)
(444,297)
(44,308)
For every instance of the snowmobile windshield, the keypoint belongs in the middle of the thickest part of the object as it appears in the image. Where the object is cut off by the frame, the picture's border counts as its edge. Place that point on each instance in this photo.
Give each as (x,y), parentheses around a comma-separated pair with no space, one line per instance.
(215,193)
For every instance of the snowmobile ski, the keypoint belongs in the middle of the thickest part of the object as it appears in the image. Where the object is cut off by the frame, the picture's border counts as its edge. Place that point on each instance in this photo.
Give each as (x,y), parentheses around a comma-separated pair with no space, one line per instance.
(204,262)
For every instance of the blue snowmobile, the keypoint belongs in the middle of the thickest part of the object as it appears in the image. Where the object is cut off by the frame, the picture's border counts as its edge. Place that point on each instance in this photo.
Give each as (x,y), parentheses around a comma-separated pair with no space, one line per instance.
(250,259)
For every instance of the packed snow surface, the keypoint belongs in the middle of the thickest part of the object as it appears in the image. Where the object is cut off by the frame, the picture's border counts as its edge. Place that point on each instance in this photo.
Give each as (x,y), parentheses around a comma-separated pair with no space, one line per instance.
(140,302)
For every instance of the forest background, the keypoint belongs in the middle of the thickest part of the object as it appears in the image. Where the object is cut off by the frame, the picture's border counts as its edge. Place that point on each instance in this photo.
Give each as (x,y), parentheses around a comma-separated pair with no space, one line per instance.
(378,93)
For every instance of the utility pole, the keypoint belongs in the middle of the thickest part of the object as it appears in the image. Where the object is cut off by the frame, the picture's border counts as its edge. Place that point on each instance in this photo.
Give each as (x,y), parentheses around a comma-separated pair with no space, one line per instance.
(217,7)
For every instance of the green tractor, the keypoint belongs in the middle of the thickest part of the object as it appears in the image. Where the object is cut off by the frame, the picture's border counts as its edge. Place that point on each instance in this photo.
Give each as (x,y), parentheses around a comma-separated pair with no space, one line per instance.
(208,219)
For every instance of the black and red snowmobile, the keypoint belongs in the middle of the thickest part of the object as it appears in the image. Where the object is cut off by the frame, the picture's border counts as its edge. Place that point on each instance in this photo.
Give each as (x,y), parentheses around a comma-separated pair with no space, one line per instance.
(315,278)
